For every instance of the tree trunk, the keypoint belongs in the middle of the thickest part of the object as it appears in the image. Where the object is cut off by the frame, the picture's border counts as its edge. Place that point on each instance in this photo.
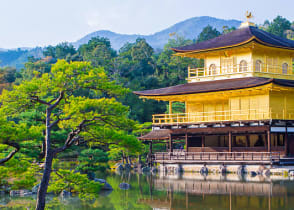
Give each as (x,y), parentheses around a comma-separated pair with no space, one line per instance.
(123,158)
(127,161)
(44,182)
(130,160)
(41,197)
(139,159)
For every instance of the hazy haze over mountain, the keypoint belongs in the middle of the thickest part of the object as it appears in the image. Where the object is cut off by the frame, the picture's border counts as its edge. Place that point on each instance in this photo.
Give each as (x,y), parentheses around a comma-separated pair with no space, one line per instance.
(189,29)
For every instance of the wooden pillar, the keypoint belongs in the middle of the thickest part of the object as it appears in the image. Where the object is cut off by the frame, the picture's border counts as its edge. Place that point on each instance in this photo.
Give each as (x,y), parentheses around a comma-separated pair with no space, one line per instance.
(286,142)
(269,140)
(202,143)
(170,107)
(186,141)
(150,147)
(230,141)
(247,140)
(170,143)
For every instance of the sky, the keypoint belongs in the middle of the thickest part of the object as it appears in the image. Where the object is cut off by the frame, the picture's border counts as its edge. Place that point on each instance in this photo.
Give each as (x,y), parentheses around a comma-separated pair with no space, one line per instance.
(30,23)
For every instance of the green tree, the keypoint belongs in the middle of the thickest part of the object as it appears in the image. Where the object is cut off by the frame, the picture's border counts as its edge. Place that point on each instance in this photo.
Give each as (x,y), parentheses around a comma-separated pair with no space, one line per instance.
(92,160)
(98,51)
(63,50)
(278,26)
(207,33)
(7,75)
(74,182)
(58,96)
(226,29)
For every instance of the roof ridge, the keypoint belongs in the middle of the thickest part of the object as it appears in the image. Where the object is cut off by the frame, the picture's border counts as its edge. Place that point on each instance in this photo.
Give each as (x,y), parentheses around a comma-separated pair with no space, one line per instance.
(278,39)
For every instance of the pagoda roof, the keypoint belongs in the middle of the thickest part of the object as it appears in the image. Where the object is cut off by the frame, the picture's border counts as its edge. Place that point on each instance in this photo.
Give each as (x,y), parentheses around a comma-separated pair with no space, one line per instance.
(239,37)
(161,134)
(213,86)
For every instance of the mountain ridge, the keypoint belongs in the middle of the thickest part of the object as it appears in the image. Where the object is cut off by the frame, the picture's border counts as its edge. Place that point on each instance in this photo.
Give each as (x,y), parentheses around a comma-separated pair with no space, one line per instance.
(189,29)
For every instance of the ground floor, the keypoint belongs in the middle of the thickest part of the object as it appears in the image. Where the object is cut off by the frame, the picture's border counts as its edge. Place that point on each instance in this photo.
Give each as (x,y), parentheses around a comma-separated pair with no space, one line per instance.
(237,142)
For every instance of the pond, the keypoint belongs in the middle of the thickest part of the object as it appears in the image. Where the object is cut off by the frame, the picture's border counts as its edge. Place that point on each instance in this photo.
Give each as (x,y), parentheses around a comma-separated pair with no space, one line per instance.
(178,191)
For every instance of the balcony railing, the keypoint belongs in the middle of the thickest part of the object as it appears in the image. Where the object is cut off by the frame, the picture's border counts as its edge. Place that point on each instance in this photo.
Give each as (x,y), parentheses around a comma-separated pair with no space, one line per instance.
(217,156)
(221,116)
(230,70)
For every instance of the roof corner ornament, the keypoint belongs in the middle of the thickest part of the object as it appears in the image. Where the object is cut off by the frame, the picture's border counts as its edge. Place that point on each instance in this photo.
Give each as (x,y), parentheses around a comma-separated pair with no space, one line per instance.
(247,23)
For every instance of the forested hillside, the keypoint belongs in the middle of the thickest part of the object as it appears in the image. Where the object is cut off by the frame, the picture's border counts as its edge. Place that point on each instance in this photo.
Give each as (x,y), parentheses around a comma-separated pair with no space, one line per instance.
(135,65)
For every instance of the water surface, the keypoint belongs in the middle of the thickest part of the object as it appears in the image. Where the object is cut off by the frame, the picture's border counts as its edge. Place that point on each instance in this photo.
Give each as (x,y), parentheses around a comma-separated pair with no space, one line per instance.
(179,191)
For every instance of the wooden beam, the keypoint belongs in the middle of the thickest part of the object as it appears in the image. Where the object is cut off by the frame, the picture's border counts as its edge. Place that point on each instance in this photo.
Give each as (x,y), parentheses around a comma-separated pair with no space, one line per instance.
(170,107)
(221,130)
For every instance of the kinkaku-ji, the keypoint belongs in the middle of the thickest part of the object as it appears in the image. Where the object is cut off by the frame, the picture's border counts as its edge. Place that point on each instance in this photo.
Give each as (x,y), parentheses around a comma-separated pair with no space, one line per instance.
(239,107)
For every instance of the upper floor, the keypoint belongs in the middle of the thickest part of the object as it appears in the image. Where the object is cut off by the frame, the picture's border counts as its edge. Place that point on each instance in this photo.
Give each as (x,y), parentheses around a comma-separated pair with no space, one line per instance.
(246,52)
(250,61)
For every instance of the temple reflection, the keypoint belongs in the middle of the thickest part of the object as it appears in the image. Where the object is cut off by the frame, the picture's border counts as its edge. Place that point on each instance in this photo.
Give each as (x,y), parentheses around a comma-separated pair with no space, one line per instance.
(194,191)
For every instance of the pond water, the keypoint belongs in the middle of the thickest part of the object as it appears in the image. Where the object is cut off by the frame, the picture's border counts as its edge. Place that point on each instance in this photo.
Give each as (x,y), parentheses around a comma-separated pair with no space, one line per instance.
(179,191)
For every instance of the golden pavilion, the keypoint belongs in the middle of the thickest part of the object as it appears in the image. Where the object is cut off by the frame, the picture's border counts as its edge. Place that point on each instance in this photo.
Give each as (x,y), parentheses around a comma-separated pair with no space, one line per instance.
(239,105)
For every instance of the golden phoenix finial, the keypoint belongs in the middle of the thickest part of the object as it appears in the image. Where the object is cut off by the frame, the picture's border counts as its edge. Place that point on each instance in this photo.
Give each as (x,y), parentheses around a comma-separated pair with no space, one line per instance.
(248,15)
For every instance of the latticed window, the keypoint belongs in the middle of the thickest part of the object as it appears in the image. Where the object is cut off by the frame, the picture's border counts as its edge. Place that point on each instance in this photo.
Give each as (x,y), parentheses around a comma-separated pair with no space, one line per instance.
(212,69)
(285,68)
(258,66)
(243,66)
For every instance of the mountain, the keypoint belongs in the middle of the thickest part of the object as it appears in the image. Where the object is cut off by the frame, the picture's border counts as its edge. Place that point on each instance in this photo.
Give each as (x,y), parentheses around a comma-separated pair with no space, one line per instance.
(17,57)
(189,29)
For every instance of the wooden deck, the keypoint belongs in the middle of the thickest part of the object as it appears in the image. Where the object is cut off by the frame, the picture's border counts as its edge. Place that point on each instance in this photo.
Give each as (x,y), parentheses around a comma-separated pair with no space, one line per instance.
(218,157)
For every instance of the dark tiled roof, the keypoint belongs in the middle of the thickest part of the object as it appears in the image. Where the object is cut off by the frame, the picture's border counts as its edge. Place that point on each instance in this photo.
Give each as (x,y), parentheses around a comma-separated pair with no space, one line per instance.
(213,86)
(238,37)
(156,135)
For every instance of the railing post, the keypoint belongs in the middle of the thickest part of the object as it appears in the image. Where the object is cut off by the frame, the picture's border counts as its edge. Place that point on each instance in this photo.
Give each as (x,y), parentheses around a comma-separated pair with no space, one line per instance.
(189,73)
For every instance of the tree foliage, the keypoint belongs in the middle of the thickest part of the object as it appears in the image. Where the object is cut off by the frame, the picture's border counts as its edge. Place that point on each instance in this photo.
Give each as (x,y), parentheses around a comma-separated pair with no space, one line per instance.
(75,98)
(74,182)
(278,26)
(207,33)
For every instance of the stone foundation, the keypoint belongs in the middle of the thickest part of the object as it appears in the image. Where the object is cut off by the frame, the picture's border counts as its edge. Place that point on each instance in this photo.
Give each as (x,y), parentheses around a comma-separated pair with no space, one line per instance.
(265,170)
